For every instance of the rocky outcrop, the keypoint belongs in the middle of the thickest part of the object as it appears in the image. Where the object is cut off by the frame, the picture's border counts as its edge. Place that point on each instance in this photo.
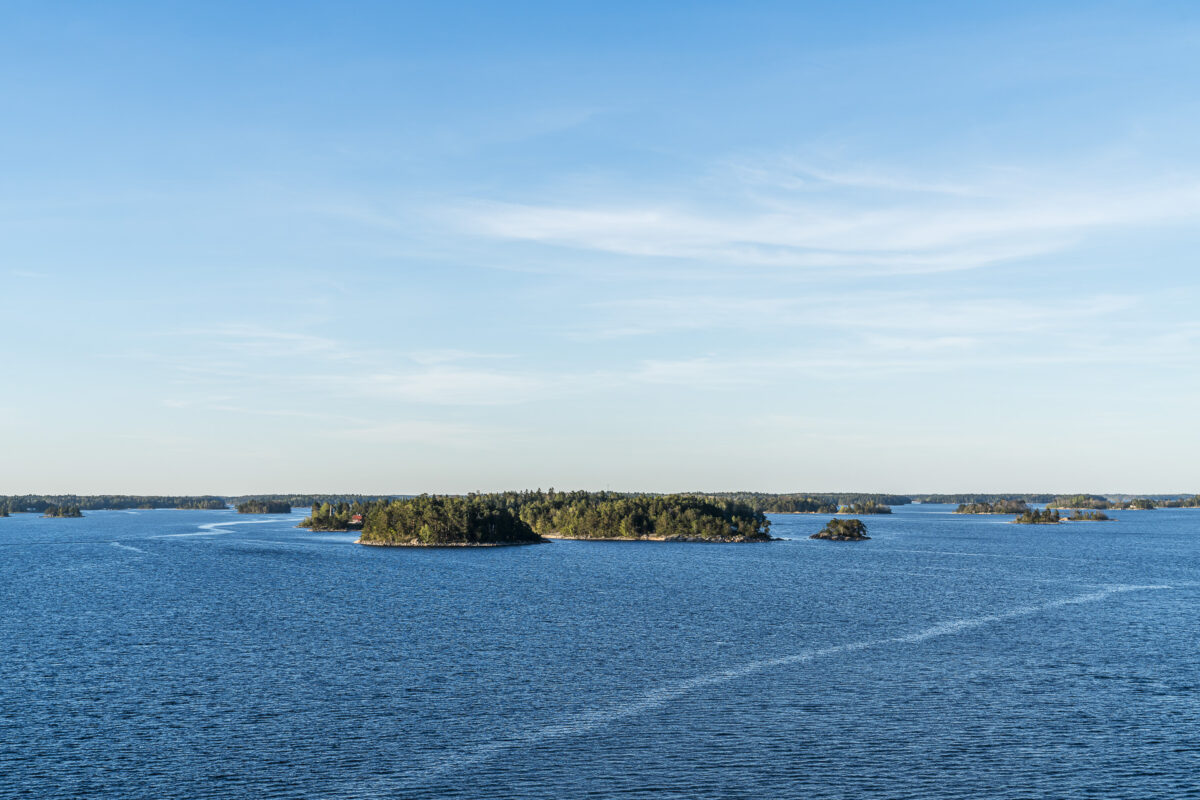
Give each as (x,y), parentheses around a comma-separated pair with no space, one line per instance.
(843,530)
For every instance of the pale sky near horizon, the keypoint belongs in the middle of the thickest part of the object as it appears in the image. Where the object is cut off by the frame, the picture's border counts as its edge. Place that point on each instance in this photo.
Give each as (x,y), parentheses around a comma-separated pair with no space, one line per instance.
(395,247)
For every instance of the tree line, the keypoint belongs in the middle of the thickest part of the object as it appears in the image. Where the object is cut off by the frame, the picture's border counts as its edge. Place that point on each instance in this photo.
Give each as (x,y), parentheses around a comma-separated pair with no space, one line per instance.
(970,499)
(994,507)
(445,520)
(810,503)
(1036,516)
(264,507)
(38,503)
(480,518)
(338,516)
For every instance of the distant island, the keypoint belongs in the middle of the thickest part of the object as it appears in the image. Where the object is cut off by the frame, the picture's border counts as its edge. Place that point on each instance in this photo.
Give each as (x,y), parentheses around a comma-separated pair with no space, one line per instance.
(38,503)
(62,511)
(968,499)
(803,503)
(1035,516)
(994,507)
(264,507)
(843,530)
(1183,502)
(1096,502)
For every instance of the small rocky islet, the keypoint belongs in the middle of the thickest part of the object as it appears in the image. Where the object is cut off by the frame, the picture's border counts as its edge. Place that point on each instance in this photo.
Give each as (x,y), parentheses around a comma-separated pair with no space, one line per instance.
(843,530)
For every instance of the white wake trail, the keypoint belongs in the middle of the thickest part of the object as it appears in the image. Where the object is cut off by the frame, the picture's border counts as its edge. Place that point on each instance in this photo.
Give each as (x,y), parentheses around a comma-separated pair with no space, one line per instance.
(588,721)
(214,528)
(127,547)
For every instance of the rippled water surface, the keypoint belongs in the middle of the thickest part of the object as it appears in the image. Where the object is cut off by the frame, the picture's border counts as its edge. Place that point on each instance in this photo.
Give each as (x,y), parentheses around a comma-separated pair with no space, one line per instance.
(199,654)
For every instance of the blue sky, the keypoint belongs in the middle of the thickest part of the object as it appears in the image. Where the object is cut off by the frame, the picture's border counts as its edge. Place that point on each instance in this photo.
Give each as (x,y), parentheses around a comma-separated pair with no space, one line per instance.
(389,247)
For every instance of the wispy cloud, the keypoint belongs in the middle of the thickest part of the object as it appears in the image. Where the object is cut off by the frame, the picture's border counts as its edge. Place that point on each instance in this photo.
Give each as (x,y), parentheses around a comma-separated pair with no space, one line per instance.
(853,219)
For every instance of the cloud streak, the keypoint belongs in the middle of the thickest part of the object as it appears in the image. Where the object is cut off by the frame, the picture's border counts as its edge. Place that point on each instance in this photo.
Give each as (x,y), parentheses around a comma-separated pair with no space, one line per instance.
(850,220)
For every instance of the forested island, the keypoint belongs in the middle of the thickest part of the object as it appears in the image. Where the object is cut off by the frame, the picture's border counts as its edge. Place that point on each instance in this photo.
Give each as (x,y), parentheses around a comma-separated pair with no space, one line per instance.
(1138,503)
(434,521)
(843,530)
(995,507)
(1079,515)
(564,515)
(1096,502)
(264,507)
(865,507)
(62,511)
(1035,516)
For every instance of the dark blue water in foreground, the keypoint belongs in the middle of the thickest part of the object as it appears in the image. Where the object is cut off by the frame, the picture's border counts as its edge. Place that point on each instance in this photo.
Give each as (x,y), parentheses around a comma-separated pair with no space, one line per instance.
(157,655)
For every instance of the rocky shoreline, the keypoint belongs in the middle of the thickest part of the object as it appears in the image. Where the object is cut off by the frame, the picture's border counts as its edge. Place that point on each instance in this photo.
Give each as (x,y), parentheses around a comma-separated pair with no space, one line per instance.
(448,544)
(693,539)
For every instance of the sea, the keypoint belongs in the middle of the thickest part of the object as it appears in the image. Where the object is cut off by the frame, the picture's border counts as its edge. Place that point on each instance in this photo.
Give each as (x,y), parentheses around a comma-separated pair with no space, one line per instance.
(203,654)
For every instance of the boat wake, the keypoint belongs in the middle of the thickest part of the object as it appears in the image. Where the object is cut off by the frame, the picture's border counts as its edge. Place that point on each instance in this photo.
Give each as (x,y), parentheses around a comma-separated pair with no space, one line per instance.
(587,721)
(214,528)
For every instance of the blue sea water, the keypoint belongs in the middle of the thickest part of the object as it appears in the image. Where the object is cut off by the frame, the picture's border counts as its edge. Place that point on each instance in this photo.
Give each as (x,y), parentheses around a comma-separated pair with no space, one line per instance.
(199,654)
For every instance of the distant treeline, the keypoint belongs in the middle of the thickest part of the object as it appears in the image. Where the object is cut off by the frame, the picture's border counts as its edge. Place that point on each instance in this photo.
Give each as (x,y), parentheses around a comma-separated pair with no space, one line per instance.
(201,504)
(994,507)
(1183,502)
(38,503)
(865,508)
(302,500)
(810,503)
(1067,501)
(968,499)
(493,518)
(264,507)
(1096,502)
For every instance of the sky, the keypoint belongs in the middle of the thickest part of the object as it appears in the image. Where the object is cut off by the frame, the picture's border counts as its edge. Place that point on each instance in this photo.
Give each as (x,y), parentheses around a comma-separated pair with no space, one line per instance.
(404,247)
